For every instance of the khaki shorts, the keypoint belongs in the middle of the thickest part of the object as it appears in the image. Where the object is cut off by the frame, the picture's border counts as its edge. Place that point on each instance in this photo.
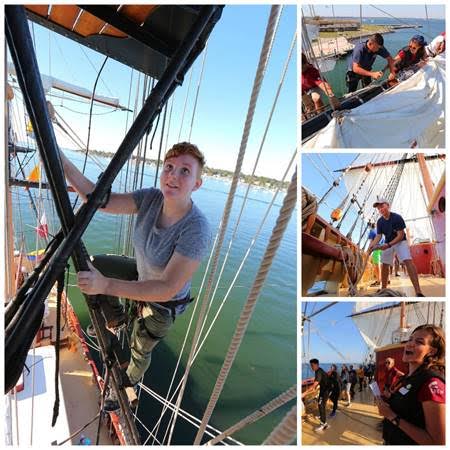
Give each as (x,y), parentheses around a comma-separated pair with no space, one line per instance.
(401,249)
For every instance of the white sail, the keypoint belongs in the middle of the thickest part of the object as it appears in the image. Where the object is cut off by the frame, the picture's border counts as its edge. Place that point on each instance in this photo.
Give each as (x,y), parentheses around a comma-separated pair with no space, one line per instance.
(410,200)
(378,327)
(362,306)
(409,115)
(313,31)
(326,64)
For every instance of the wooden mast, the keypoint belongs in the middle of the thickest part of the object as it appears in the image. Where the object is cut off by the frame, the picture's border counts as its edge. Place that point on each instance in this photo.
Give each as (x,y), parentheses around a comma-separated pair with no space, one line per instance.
(429,186)
(402,315)
(9,289)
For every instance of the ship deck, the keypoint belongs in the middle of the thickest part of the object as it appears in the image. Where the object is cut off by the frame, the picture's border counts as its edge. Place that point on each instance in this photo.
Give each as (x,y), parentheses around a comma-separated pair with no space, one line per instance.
(358,424)
(431,286)
(79,395)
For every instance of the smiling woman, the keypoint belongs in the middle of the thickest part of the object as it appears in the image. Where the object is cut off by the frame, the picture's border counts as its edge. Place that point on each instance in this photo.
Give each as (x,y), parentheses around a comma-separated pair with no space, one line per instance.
(415,412)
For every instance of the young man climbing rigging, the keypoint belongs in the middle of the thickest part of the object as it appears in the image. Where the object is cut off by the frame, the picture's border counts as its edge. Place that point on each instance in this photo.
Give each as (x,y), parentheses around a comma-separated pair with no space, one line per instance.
(171,237)
(392,227)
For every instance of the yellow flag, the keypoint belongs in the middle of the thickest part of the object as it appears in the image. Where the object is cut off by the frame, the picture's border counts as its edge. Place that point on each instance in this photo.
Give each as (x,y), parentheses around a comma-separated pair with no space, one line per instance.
(29,128)
(35,174)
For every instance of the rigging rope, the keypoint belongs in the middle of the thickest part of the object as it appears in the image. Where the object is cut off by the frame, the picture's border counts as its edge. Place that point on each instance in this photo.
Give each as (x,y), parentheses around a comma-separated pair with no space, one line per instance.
(184,414)
(309,206)
(156,427)
(232,284)
(285,214)
(337,181)
(262,65)
(353,199)
(391,189)
(247,191)
(59,291)
(79,430)
(168,126)
(198,91)
(90,122)
(185,103)
(158,161)
(286,432)
(401,21)
(263,411)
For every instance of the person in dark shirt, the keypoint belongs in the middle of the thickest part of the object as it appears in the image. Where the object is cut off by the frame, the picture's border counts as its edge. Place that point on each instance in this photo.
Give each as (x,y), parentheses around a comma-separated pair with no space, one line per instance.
(321,380)
(392,227)
(312,85)
(335,388)
(414,53)
(362,60)
(414,414)
(353,380)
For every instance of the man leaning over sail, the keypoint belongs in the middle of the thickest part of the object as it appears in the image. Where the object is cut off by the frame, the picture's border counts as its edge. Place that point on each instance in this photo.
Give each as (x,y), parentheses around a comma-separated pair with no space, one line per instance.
(392,226)
(362,60)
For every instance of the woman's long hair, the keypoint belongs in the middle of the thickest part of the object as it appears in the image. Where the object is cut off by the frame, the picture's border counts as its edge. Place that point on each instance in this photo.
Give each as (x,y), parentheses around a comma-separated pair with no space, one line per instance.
(436,361)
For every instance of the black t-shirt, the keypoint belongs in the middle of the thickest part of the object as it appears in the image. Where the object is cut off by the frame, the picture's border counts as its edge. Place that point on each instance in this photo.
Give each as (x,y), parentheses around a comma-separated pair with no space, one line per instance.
(389,227)
(335,382)
(322,378)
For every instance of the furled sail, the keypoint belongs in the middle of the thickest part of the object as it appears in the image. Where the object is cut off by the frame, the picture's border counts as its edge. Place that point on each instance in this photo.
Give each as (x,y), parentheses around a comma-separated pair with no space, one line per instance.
(409,115)
(377,326)
(410,200)
(51,82)
(363,306)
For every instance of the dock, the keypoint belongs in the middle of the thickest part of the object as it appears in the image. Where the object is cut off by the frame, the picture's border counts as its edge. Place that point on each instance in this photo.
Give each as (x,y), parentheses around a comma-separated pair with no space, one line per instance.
(336,47)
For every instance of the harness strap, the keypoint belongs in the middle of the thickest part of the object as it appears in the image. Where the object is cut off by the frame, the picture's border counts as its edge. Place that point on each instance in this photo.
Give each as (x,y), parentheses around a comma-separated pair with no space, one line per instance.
(172,304)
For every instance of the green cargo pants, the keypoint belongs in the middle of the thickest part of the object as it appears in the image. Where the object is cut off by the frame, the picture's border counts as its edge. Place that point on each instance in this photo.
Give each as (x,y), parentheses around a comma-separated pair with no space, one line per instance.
(145,328)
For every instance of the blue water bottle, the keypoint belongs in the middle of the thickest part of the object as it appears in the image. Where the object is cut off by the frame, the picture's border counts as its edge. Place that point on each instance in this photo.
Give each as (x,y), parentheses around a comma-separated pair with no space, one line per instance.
(84,440)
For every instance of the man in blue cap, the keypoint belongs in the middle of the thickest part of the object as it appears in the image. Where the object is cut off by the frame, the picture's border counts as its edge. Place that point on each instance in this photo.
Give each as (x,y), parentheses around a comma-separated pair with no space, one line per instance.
(362,60)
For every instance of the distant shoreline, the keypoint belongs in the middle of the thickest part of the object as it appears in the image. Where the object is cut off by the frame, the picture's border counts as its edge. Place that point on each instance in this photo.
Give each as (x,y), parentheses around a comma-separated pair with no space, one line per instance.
(258,181)
(365,31)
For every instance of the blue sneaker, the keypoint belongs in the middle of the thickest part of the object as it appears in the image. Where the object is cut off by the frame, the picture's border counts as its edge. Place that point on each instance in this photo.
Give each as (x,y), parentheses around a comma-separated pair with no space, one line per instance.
(333,414)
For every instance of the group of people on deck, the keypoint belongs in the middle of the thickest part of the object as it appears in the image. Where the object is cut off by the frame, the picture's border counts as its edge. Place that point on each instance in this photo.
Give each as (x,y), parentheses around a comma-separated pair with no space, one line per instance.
(412,404)
(412,56)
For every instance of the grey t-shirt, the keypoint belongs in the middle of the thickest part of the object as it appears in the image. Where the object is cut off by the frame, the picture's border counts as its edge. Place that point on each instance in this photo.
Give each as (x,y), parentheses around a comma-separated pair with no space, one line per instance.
(154,246)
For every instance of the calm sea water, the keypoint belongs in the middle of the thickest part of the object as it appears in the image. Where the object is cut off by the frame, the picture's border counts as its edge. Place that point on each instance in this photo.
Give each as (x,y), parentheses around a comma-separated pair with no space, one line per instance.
(266,363)
(392,41)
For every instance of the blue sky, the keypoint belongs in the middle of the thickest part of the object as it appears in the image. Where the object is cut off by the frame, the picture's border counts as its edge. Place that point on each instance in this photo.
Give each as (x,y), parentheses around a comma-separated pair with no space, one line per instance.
(335,327)
(232,58)
(435,11)
(319,182)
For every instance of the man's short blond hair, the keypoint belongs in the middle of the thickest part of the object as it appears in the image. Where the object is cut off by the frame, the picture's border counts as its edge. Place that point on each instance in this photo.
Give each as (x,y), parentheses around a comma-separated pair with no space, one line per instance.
(186,148)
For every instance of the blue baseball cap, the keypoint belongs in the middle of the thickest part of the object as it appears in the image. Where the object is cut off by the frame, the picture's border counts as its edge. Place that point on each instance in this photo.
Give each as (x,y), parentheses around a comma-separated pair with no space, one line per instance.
(419,39)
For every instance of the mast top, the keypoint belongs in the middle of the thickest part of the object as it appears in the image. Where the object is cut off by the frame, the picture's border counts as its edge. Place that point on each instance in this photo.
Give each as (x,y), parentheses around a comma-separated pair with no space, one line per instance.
(144,37)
